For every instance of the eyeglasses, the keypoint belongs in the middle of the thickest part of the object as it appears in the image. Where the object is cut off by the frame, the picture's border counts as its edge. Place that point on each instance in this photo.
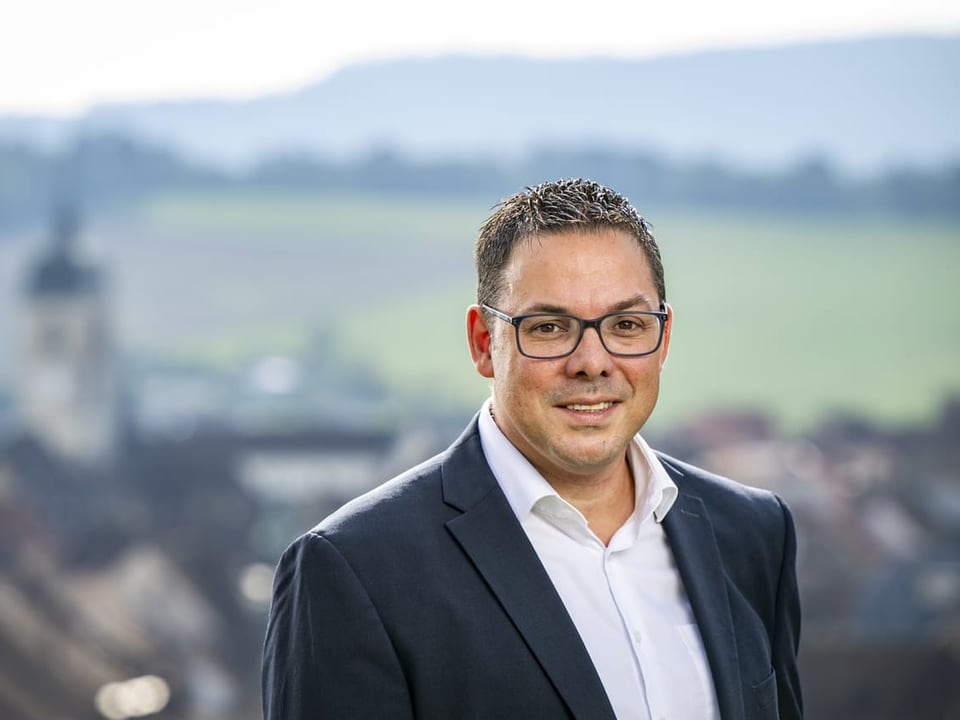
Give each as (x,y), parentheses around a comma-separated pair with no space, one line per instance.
(555,335)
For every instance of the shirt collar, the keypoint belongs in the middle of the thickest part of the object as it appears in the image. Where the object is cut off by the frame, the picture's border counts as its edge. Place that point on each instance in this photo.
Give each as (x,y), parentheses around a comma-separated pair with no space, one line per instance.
(524,486)
(518,479)
(661,491)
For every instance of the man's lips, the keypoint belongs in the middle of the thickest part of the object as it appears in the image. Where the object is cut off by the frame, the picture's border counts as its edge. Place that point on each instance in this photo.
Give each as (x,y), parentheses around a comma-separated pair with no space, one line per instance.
(597,406)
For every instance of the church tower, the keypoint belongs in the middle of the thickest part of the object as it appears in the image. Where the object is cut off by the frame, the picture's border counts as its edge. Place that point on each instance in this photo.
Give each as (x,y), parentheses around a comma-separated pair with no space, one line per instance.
(67,383)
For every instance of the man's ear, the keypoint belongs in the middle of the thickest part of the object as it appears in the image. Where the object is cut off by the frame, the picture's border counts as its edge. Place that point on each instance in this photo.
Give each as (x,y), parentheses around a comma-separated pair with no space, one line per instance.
(667,330)
(478,338)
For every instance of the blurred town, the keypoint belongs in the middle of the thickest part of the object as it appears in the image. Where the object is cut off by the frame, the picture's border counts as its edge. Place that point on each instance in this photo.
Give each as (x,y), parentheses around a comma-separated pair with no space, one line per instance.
(135,567)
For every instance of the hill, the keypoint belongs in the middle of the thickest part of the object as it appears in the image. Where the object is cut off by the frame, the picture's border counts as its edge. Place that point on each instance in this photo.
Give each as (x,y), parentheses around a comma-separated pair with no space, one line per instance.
(867,105)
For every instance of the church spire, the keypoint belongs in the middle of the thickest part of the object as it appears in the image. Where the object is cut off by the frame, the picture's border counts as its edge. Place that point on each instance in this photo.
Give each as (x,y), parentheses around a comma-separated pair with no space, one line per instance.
(68,389)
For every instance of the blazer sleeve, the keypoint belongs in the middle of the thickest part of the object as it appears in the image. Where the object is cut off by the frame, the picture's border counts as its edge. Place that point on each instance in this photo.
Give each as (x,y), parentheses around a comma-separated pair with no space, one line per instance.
(327,653)
(787,631)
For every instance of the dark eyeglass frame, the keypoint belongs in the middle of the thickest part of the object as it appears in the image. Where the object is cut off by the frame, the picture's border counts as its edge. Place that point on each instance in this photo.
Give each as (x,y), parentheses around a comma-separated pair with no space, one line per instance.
(583,323)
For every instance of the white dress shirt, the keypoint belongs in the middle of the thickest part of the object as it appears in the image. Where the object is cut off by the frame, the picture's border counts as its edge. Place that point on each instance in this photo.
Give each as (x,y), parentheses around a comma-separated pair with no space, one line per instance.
(626,598)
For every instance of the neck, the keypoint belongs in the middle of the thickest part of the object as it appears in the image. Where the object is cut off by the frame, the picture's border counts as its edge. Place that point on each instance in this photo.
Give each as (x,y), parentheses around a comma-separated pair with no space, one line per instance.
(606,501)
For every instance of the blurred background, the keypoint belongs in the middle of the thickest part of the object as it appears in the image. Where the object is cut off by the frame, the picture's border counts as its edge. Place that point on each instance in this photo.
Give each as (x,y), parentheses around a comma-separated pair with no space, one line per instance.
(236,252)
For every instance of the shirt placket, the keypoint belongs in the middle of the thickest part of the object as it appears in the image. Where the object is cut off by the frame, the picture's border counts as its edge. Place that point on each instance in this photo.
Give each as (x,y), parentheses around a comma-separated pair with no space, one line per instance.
(636,630)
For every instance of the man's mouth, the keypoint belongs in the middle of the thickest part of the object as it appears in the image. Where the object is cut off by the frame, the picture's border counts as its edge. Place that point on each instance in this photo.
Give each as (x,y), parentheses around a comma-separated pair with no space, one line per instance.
(594,407)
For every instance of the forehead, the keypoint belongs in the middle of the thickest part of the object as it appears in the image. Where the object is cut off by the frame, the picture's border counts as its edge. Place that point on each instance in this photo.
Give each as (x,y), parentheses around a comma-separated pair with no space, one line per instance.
(594,263)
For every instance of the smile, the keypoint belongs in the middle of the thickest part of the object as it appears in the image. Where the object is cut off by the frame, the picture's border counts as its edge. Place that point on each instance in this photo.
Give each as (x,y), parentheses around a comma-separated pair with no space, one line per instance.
(596,407)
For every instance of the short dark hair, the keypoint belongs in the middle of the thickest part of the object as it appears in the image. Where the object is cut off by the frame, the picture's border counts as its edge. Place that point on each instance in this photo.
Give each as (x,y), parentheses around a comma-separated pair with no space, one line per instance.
(556,207)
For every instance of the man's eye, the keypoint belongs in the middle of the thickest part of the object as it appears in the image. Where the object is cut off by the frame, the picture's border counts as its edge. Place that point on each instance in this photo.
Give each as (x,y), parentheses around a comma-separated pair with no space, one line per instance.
(631,325)
(546,328)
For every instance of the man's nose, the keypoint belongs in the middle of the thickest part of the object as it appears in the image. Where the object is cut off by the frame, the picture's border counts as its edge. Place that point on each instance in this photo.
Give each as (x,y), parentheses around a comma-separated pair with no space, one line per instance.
(590,358)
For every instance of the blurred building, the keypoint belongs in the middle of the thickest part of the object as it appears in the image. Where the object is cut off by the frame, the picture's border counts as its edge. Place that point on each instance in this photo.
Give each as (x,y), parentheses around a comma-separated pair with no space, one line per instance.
(135,566)
(68,390)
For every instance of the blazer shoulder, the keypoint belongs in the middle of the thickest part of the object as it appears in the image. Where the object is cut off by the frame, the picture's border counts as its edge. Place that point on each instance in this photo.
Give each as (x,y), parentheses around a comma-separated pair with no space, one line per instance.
(419,497)
(731,504)
(402,497)
(698,481)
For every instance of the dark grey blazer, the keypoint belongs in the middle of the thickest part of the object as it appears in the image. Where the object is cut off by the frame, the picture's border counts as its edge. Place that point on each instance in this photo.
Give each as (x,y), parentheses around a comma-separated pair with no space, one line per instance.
(424,599)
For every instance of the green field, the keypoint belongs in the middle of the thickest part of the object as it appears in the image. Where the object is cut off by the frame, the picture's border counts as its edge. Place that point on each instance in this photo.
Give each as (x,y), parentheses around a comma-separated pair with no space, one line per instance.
(795,315)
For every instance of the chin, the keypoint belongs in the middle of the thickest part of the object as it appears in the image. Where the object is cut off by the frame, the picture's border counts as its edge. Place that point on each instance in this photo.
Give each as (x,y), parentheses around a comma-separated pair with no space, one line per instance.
(592,458)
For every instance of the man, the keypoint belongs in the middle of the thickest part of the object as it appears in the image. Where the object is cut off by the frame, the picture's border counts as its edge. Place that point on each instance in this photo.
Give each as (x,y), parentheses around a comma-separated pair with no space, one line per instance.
(549,564)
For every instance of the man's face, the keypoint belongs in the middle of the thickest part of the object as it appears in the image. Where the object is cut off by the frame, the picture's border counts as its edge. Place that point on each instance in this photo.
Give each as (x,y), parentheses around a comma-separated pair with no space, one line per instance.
(572,417)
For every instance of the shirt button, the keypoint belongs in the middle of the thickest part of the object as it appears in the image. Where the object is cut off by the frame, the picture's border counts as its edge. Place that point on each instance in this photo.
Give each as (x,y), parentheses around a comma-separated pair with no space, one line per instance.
(637,636)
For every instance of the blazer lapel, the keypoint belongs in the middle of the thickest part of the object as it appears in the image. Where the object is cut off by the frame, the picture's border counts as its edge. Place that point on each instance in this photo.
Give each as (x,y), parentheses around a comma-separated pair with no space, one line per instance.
(490,535)
(690,533)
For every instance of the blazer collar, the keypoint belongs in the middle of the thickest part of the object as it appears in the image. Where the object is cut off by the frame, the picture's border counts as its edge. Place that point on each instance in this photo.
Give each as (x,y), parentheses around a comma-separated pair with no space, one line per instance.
(491,536)
(695,550)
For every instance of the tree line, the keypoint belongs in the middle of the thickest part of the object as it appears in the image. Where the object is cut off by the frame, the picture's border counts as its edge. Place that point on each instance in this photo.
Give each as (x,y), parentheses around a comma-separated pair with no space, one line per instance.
(110,171)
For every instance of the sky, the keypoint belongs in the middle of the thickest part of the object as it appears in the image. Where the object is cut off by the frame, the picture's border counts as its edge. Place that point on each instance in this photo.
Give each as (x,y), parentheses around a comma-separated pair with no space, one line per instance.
(59,57)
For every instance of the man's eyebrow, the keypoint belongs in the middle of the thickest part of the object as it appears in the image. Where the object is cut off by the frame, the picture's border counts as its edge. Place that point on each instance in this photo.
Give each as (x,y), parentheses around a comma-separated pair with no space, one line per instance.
(640,301)
(547,308)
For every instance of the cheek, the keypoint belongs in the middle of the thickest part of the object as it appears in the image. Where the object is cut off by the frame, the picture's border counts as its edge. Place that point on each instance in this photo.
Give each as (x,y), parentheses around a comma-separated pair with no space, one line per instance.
(513,377)
(644,375)
(648,382)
